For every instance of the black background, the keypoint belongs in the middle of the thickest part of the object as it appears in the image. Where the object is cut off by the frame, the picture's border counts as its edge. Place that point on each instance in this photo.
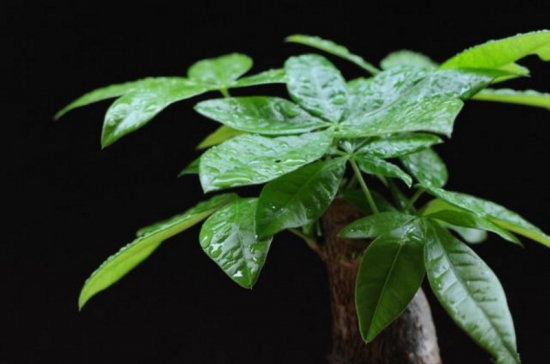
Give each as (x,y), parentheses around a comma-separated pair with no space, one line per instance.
(67,205)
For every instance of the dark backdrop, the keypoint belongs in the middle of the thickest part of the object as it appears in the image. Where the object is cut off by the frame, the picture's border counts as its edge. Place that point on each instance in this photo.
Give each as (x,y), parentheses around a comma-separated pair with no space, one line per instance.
(67,205)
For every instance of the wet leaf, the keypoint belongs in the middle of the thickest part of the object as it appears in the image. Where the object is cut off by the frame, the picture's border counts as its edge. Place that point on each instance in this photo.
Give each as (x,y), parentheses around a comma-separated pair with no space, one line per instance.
(373,226)
(192,168)
(262,78)
(407,58)
(427,167)
(527,97)
(220,72)
(219,136)
(376,166)
(399,145)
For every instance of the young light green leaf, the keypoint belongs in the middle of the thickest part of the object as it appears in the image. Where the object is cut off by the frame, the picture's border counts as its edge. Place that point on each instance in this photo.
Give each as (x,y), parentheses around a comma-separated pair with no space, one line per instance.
(192,168)
(527,97)
(253,159)
(373,165)
(399,145)
(407,58)
(137,108)
(261,115)
(298,198)
(500,53)
(471,293)
(220,72)
(229,238)
(332,48)
(391,272)
(316,85)
(497,214)
(427,167)
(219,136)
(149,239)
(373,226)
(262,78)
(357,198)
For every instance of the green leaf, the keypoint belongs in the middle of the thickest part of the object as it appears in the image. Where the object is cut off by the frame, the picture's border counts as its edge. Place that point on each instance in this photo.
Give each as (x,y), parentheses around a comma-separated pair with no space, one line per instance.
(149,239)
(229,238)
(298,198)
(137,108)
(357,198)
(220,72)
(262,78)
(332,48)
(399,145)
(253,159)
(527,97)
(376,166)
(407,58)
(219,136)
(262,115)
(471,293)
(471,236)
(495,213)
(192,168)
(427,167)
(391,272)
(315,84)
(500,53)
(373,226)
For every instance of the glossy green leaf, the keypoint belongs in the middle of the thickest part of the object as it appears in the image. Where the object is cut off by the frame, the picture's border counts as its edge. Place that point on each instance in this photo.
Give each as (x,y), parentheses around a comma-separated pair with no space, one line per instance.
(262,78)
(497,214)
(298,198)
(499,53)
(149,239)
(399,145)
(527,97)
(262,115)
(372,165)
(471,236)
(332,48)
(137,108)
(220,72)
(192,168)
(407,58)
(357,198)
(253,159)
(219,136)
(229,238)
(316,85)
(427,167)
(373,226)
(391,272)
(471,293)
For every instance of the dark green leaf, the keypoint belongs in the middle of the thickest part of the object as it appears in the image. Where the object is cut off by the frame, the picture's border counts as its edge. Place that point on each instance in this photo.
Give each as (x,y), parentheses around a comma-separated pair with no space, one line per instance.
(427,167)
(399,145)
(407,58)
(137,108)
(262,115)
(192,168)
(315,84)
(298,198)
(527,97)
(229,238)
(253,159)
(263,78)
(357,198)
(149,239)
(372,165)
(391,272)
(219,136)
(332,48)
(220,72)
(471,293)
(375,225)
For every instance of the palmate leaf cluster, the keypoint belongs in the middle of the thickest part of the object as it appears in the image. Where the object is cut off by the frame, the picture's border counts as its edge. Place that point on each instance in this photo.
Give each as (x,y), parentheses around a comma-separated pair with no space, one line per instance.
(303,148)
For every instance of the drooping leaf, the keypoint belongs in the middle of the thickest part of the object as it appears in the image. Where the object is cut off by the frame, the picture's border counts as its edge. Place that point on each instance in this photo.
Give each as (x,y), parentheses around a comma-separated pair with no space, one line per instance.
(298,198)
(373,226)
(219,136)
(373,165)
(407,58)
(137,108)
(192,168)
(499,53)
(527,97)
(391,272)
(262,78)
(427,167)
(253,159)
(220,72)
(497,214)
(471,293)
(357,198)
(316,85)
(399,145)
(229,238)
(149,239)
(262,115)
(332,48)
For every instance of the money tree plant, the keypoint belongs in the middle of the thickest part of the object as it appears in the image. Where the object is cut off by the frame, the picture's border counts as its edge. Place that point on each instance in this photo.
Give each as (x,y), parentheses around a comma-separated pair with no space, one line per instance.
(316,152)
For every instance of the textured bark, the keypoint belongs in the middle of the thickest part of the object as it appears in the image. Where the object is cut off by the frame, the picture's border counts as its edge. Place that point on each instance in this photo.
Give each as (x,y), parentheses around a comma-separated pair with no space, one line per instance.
(410,339)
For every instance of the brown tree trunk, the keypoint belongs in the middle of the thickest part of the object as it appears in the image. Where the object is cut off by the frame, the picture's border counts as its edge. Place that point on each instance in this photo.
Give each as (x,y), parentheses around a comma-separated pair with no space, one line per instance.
(410,339)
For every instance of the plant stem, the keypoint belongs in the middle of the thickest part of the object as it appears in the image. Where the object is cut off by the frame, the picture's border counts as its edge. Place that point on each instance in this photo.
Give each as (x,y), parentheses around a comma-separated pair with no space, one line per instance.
(364,187)
(225,92)
(308,239)
(413,199)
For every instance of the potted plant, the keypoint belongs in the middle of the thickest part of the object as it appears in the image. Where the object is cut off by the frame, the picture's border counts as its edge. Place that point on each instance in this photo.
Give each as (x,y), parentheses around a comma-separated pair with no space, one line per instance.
(317,154)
